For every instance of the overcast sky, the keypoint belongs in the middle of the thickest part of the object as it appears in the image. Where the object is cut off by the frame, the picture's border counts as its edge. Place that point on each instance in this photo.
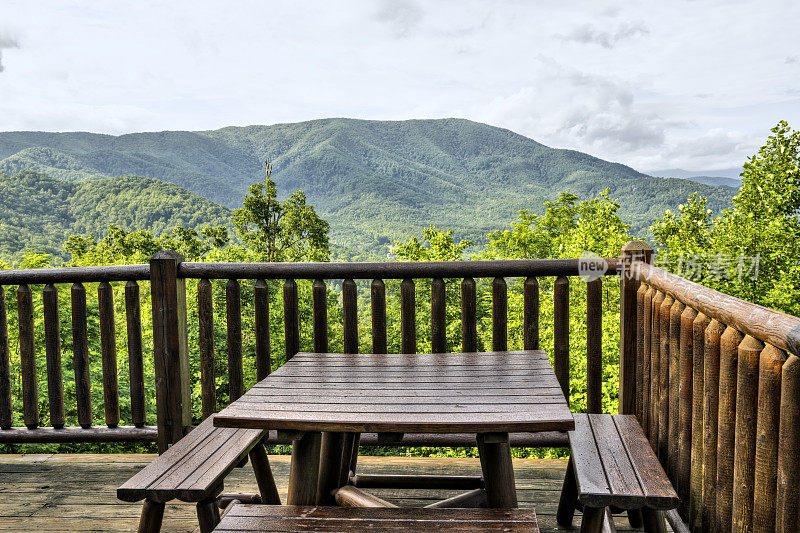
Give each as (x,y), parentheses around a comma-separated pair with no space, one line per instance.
(695,85)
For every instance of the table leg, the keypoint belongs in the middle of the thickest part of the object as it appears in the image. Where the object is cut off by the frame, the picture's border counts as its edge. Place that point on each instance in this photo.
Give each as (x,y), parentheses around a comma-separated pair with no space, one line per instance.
(304,471)
(349,455)
(330,466)
(498,471)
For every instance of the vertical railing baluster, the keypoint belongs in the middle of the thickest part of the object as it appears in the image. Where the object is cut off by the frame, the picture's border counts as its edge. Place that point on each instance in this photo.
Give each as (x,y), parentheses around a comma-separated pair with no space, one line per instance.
(530,313)
(6,412)
(261,311)
(233,311)
(685,394)
(745,438)
(499,315)
(291,318)
(319,297)
(205,341)
(711,388)
(80,356)
(438,317)
(108,353)
(52,342)
(765,479)
(639,351)
(663,378)
(594,346)
(699,326)
(133,316)
(350,316)
(378,308)
(408,316)
(469,315)
(728,377)
(561,332)
(647,332)
(674,388)
(788,504)
(27,355)
(655,368)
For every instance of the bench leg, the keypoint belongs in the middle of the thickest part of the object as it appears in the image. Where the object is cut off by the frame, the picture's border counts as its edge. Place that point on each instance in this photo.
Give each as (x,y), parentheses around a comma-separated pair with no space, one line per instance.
(152,515)
(569,496)
(264,477)
(597,520)
(304,471)
(330,466)
(207,515)
(350,441)
(653,521)
(498,470)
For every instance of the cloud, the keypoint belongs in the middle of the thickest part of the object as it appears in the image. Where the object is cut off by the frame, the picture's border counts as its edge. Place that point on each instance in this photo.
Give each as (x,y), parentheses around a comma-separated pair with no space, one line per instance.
(791,59)
(589,34)
(568,108)
(6,42)
(401,16)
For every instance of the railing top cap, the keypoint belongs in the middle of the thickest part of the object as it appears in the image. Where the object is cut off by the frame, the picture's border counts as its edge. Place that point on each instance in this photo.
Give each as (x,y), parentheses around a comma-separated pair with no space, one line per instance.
(767,325)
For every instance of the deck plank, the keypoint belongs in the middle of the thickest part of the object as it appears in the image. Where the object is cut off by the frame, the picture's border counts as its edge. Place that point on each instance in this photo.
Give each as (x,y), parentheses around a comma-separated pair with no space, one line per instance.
(77,492)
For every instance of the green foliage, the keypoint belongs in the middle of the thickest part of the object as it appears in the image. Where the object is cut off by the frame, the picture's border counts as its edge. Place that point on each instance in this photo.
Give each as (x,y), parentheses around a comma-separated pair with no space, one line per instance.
(750,250)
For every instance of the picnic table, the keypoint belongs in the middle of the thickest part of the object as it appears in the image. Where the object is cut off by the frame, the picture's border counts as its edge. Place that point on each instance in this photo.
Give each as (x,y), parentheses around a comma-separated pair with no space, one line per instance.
(324,400)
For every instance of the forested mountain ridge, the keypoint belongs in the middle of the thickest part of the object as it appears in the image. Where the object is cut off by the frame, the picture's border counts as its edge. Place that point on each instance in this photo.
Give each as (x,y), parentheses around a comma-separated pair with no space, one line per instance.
(374,181)
(39,212)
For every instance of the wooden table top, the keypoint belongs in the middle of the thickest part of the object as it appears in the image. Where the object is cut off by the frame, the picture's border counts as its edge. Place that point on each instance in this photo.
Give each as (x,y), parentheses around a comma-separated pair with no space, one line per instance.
(421,393)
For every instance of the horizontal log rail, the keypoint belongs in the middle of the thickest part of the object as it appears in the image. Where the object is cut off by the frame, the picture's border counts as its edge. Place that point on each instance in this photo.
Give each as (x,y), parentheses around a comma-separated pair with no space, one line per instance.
(90,274)
(389,270)
(768,325)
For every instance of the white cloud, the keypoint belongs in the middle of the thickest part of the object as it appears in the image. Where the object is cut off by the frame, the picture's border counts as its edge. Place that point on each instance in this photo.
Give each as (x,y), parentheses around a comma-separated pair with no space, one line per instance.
(589,34)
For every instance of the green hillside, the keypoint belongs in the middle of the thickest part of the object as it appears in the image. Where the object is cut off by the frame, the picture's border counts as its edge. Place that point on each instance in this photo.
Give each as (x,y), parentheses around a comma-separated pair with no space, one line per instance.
(372,180)
(40,212)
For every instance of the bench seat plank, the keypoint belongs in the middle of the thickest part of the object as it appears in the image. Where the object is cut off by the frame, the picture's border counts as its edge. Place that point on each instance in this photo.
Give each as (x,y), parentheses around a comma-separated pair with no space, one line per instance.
(658,491)
(615,465)
(273,518)
(194,468)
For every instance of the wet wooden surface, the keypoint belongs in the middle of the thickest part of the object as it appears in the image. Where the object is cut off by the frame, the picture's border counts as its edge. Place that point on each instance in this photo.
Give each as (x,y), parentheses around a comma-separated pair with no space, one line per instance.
(77,492)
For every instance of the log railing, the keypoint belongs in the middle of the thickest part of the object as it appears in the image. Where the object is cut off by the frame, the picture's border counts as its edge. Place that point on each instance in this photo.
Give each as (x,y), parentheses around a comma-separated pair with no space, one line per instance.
(167,274)
(51,282)
(717,391)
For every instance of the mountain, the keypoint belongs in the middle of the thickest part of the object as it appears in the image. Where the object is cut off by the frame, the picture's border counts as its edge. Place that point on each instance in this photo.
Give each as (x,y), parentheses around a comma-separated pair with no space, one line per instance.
(40,212)
(374,181)
(726,177)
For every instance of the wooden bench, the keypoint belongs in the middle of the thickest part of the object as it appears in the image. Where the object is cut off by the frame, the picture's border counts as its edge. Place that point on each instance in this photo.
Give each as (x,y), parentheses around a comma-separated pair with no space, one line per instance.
(194,469)
(613,465)
(273,518)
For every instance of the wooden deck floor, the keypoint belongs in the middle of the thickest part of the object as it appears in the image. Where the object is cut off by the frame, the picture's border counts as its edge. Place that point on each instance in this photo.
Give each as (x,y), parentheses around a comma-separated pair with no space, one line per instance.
(77,492)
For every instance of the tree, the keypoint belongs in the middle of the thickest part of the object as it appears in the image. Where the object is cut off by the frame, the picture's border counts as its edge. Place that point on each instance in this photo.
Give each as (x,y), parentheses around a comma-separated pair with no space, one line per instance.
(281,231)
(750,250)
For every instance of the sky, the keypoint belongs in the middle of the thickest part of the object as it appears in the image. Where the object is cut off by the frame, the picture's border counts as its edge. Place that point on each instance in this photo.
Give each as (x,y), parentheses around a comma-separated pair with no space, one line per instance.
(652,84)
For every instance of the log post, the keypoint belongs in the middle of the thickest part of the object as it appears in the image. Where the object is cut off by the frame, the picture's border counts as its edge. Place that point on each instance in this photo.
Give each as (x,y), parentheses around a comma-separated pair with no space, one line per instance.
(438,316)
(170,348)
(633,251)
(378,307)
(561,332)
(233,313)
(788,504)
(6,413)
